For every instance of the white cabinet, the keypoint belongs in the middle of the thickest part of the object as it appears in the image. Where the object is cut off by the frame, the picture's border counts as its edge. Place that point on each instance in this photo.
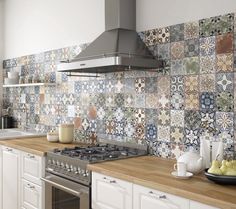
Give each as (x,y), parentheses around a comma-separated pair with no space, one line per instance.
(145,198)
(198,205)
(10,178)
(31,185)
(31,167)
(20,184)
(31,195)
(110,193)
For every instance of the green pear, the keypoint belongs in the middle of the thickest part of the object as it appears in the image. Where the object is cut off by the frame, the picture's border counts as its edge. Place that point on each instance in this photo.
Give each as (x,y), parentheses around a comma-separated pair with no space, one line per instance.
(229,164)
(215,168)
(230,172)
(223,167)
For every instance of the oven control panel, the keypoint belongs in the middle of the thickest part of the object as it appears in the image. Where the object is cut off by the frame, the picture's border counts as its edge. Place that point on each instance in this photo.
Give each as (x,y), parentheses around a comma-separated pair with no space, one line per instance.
(68,168)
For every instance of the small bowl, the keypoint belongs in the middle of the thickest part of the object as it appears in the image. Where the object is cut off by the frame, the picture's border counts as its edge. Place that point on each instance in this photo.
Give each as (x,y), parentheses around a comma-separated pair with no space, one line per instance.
(52,137)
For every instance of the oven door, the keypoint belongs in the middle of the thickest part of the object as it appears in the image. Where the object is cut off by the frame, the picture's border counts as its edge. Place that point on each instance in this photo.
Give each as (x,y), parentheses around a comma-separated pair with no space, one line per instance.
(62,193)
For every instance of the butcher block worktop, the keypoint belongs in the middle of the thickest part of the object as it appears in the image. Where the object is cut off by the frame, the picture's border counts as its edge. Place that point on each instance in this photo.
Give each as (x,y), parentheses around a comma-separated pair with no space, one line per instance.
(154,172)
(38,146)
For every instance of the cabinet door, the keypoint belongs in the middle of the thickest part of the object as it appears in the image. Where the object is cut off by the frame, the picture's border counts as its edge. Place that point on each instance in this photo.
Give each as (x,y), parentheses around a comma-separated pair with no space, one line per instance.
(110,193)
(197,205)
(10,178)
(145,198)
(31,195)
(31,167)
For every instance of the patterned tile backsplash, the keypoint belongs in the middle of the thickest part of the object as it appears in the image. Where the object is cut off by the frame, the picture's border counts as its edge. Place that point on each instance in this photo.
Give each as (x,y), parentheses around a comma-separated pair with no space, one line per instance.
(192,97)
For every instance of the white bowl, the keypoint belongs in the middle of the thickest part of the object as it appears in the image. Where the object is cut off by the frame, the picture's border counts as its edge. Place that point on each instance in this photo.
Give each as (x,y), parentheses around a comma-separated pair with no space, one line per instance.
(10,81)
(13,75)
(52,137)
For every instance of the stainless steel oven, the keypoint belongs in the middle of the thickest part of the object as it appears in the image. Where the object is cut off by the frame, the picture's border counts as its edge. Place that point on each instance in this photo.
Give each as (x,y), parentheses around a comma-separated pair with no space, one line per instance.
(61,193)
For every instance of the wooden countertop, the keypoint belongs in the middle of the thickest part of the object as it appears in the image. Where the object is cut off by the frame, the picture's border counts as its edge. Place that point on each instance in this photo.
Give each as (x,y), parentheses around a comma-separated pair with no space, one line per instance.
(38,146)
(154,172)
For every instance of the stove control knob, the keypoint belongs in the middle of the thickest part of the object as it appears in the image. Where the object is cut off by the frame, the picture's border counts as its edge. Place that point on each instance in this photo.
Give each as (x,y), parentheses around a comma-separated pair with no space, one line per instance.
(67,166)
(62,165)
(49,161)
(58,163)
(53,162)
(68,169)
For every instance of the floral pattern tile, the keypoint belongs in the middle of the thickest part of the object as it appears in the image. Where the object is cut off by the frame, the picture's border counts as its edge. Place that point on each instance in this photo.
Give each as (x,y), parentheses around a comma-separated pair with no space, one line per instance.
(207,64)
(191,65)
(177,33)
(191,47)
(177,50)
(207,83)
(163,35)
(191,96)
(224,82)
(177,118)
(191,30)
(207,101)
(225,102)
(207,46)
(177,67)
(224,63)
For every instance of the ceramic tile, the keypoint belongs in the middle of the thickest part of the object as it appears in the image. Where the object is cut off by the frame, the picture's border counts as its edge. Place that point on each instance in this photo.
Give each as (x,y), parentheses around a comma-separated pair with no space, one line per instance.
(151,101)
(192,119)
(177,101)
(177,33)
(163,51)
(151,85)
(191,83)
(191,65)
(151,37)
(177,149)
(163,133)
(224,82)
(177,50)
(177,67)
(177,118)
(207,101)
(224,121)
(163,35)
(224,102)
(192,138)
(163,117)
(192,101)
(207,83)
(206,27)
(207,64)
(177,134)
(191,47)
(224,44)
(224,63)
(208,121)
(151,132)
(207,46)
(191,30)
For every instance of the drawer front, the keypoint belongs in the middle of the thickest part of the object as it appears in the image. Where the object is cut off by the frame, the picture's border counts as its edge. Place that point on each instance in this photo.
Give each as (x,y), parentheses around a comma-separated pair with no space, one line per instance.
(109,193)
(31,195)
(145,198)
(31,167)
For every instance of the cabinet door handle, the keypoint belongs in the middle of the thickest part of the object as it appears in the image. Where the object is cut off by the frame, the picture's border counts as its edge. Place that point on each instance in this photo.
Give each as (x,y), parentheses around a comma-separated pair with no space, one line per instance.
(9,150)
(157,195)
(31,156)
(30,186)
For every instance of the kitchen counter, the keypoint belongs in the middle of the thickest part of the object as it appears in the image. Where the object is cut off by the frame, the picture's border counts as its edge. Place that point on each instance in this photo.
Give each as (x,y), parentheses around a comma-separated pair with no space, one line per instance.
(154,172)
(38,146)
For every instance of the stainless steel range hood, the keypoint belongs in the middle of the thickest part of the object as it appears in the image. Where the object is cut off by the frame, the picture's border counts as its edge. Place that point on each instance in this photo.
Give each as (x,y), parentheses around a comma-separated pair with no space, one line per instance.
(119,48)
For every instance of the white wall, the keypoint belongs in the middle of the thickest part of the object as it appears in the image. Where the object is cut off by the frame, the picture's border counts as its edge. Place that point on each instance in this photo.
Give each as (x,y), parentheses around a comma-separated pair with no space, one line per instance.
(158,13)
(1,51)
(33,26)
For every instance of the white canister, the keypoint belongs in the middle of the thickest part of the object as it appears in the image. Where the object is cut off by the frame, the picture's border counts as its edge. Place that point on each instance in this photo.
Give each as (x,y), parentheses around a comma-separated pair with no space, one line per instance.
(66,133)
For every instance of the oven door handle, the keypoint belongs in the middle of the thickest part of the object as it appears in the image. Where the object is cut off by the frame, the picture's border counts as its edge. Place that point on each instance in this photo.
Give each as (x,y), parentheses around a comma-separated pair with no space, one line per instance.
(59,186)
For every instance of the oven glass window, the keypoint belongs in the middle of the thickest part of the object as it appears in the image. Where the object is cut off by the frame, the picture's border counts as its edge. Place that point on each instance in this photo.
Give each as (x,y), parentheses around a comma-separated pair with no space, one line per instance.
(64,200)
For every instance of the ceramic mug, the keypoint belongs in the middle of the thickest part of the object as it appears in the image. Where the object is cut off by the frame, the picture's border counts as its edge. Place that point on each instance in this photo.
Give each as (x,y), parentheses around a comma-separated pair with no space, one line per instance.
(181,168)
